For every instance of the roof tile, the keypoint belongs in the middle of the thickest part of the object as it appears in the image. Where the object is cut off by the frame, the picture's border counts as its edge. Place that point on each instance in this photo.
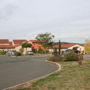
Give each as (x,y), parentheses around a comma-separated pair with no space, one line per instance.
(4,41)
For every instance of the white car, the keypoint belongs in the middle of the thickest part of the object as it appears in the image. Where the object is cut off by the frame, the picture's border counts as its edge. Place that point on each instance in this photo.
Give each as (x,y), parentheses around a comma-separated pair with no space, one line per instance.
(30,53)
(11,52)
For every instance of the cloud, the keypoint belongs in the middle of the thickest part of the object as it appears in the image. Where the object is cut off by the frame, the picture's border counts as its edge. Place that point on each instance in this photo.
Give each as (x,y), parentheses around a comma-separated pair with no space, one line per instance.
(7,9)
(82,22)
(66,19)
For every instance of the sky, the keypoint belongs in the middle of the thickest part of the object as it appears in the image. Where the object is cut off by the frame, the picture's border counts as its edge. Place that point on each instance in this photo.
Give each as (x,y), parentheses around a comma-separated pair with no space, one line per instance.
(68,20)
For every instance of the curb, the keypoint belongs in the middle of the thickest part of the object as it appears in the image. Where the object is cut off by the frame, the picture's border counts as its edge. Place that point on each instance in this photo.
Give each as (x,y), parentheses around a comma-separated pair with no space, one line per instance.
(59,66)
(26,84)
(39,55)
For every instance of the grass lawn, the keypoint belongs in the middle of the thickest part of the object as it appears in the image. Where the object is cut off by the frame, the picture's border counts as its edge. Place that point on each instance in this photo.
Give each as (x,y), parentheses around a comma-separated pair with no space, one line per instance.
(71,77)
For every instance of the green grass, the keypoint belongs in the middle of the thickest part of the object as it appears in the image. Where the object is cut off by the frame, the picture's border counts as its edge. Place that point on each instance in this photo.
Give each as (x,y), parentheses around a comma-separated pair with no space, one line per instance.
(71,77)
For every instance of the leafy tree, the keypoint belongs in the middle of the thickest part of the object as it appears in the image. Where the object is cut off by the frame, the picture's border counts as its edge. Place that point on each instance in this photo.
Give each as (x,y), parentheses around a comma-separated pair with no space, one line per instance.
(87,42)
(45,39)
(87,46)
(26,45)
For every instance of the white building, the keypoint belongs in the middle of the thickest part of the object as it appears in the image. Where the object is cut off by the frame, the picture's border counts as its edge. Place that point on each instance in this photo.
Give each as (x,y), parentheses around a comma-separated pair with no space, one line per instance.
(65,47)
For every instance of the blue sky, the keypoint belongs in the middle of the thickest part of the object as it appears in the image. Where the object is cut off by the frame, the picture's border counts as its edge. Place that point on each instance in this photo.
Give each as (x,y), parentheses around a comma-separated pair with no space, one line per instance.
(68,20)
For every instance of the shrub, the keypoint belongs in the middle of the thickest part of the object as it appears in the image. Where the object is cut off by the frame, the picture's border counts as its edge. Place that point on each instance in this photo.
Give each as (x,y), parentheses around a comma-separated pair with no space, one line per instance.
(71,56)
(47,52)
(2,52)
(17,54)
(21,50)
(41,51)
(55,59)
(34,50)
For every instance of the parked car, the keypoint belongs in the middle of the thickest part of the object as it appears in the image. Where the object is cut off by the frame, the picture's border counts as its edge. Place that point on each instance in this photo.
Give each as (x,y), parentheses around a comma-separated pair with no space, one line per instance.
(67,51)
(29,53)
(11,52)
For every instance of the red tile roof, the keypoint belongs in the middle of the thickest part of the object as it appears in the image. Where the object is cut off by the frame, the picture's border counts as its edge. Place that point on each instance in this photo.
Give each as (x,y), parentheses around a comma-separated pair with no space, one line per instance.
(35,44)
(64,46)
(33,41)
(17,45)
(4,41)
(6,46)
(10,43)
(19,41)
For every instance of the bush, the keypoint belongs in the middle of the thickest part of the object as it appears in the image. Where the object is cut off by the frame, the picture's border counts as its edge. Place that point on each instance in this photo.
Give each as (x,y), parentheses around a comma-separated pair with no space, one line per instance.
(41,51)
(21,50)
(47,52)
(34,50)
(71,56)
(17,54)
(2,52)
(55,59)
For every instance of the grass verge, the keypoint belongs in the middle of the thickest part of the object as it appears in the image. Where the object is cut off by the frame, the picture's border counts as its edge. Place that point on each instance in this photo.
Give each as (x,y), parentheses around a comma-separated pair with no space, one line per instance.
(71,77)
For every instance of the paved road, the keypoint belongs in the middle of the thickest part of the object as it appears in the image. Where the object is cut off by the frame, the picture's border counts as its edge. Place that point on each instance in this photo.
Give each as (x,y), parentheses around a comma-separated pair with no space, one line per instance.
(16,70)
(86,56)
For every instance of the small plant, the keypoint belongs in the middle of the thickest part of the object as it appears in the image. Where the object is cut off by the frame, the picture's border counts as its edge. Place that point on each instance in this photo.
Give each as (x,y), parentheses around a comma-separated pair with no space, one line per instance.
(17,54)
(71,56)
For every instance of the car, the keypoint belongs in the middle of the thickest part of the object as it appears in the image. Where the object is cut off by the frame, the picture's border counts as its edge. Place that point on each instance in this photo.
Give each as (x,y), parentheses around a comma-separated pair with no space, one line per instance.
(11,52)
(67,51)
(29,53)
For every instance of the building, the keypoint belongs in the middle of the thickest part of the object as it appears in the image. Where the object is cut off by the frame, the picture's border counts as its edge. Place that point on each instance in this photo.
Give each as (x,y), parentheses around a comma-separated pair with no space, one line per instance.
(18,45)
(18,42)
(35,45)
(70,46)
(5,44)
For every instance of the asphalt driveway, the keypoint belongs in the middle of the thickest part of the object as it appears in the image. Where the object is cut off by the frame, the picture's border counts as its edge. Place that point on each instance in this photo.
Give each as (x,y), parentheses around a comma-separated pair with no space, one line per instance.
(16,70)
(86,56)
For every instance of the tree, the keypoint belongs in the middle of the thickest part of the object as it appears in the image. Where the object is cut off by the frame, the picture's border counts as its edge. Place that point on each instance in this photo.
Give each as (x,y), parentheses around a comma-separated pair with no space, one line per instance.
(40,51)
(26,45)
(87,46)
(45,39)
(59,47)
(87,42)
